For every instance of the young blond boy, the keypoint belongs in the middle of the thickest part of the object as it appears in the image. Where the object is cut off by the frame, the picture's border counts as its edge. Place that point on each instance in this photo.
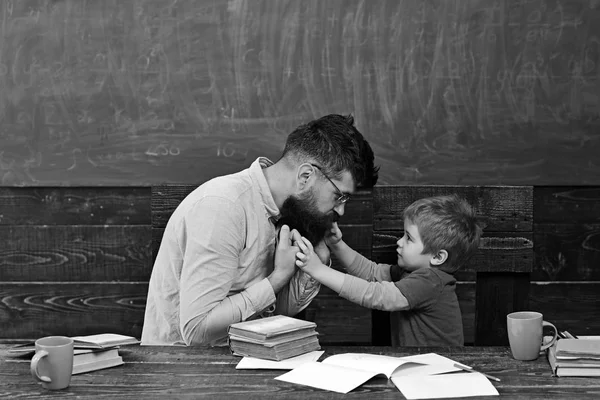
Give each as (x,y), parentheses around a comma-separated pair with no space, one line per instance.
(440,234)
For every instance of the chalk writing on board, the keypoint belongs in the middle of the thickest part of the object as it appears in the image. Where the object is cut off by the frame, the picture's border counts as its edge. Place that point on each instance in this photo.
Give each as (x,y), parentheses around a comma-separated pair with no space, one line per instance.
(150,91)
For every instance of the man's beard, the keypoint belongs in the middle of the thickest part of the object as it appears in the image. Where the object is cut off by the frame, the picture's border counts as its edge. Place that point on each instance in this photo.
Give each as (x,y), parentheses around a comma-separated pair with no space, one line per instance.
(303,215)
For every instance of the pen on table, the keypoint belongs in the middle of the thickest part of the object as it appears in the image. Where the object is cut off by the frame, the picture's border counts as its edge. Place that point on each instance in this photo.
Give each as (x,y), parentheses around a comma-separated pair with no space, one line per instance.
(470,369)
(569,335)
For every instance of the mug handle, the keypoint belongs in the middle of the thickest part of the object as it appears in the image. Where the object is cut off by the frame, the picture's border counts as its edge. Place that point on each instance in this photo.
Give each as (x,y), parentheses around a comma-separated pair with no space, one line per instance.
(34,365)
(550,343)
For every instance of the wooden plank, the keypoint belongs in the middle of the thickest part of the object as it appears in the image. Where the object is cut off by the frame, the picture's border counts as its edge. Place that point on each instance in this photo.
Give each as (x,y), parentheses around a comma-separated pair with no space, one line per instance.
(502,252)
(158,372)
(357,236)
(75,206)
(165,198)
(35,309)
(75,253)
(566,204)
(571,306)
(338,320)
(501,208)
(498,294)
(567,252)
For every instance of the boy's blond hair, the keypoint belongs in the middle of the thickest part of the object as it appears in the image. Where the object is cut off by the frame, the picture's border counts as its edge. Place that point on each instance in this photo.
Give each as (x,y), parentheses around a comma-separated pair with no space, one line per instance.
(446,223)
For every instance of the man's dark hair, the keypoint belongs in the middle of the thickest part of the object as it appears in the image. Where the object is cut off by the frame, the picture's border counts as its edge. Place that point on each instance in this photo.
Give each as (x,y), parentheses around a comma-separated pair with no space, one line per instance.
(334,143)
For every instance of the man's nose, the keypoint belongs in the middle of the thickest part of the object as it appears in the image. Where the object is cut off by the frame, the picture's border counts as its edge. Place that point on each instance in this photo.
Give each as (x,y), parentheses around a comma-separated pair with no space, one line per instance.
(340,209)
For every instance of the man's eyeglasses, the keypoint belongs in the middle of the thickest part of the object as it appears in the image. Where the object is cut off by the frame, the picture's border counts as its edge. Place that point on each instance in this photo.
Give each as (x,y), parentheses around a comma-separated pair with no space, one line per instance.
(342,197)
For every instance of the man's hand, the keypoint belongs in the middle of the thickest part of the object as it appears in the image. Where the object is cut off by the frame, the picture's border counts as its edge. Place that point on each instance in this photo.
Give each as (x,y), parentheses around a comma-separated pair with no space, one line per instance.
(285,255)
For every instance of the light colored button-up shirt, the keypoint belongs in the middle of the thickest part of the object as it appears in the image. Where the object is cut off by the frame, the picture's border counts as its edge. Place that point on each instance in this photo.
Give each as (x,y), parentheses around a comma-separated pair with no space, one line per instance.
(214,259)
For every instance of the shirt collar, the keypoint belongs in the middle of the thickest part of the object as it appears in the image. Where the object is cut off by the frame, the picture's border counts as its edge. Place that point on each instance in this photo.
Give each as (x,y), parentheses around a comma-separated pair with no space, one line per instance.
(258,178)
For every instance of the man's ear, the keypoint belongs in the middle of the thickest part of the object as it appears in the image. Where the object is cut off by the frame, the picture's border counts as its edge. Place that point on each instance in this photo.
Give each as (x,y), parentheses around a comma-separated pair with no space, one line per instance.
(439,258)
(303,176)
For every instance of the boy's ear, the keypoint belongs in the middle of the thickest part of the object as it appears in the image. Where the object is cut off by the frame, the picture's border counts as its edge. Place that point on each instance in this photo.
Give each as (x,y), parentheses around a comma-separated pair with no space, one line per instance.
(439,258)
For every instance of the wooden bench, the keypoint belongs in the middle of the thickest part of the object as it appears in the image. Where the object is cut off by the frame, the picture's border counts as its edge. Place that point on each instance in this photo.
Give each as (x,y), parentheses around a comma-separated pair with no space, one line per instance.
(76,260)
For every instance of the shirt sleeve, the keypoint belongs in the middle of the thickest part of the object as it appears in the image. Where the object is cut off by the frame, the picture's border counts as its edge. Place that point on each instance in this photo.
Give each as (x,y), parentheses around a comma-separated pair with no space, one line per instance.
(421,288)
(211,243)
(297,294)
(368,270)
(379,295)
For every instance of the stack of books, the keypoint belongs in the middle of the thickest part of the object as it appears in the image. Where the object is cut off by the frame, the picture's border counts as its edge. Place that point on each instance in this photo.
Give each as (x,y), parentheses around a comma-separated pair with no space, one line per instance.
(575,357)
(96,352)
(273,338)
(91,352)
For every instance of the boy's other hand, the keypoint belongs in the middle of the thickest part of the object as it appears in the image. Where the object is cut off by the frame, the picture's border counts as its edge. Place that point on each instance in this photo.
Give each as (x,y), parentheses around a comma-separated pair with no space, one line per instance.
(306,258)
(334,235)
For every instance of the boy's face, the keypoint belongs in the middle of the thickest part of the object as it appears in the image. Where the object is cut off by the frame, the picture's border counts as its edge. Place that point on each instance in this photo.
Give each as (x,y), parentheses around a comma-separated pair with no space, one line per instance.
(410,248)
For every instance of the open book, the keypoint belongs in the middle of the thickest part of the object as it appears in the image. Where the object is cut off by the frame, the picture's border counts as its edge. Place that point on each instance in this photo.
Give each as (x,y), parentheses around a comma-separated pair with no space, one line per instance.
(344,372)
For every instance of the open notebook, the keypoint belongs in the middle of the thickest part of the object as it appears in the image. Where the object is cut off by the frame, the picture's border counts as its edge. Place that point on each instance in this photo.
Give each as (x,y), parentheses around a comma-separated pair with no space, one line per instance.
(415,376)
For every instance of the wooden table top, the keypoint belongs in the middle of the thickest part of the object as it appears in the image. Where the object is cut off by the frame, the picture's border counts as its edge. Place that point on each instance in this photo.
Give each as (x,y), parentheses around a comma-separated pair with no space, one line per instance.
(180,372)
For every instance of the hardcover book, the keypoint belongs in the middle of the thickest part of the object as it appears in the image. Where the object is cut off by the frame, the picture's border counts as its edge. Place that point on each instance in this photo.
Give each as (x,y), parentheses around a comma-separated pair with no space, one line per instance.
(575,359)
(273,338)
(271,327)
(86,360)
(276,351)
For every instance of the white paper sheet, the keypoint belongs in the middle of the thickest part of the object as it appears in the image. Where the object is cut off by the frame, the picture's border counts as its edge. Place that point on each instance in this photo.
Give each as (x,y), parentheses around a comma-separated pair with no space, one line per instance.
(465,384)
(290,363)
(327,377)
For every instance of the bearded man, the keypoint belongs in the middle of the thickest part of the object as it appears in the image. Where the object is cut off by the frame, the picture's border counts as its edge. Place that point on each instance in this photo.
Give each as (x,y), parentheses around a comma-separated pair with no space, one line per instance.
(228,251)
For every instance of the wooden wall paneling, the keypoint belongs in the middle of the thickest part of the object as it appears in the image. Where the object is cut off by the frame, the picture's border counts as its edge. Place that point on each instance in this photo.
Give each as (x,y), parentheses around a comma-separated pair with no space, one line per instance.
(567,204)
(75,260)
(497,294)
(565,283)
(571,306)
(35,309)
(74,205)
(56,253)
(567,252)
(338,320)
(501,208)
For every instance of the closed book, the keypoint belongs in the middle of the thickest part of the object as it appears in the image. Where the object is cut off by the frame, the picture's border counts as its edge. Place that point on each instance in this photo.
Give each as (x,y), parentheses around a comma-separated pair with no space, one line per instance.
(82,356)
(276,340)
(570,367)
(270,327)
(96,365)
(578,348)
(277,352)
(103,341)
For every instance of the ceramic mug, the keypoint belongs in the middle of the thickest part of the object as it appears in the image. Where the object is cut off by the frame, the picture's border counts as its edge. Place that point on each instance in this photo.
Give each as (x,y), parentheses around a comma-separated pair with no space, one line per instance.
(525,334)
(52,363)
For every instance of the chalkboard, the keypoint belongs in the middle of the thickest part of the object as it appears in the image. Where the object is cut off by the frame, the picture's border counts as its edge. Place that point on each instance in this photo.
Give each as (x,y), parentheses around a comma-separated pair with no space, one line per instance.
(136,92)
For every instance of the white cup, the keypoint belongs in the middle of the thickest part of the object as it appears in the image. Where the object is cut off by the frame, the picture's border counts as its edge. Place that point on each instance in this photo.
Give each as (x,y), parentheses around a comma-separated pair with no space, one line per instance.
(52,363)
(525,334)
